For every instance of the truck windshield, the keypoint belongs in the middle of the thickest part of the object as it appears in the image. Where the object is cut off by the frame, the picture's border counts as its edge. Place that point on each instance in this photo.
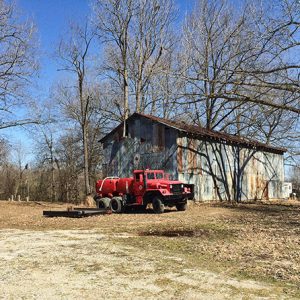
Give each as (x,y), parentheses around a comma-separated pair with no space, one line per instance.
(159,175)
(150,176)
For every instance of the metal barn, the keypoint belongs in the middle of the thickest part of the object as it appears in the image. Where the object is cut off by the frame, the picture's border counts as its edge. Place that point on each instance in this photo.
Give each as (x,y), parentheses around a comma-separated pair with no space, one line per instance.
(222,166)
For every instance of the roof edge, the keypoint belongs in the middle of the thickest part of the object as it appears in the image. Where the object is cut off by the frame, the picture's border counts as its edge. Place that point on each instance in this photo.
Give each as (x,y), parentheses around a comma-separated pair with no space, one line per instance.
(208,133)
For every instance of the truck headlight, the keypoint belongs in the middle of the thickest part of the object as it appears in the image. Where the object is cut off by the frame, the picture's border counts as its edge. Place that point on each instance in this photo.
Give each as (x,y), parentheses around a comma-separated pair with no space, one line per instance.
(171,186)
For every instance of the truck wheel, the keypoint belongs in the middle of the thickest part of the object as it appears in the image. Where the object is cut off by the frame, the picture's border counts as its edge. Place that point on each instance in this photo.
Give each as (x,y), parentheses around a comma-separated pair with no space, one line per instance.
(96,198)
(181,206)
(158,206)
(103,203)
(116,205)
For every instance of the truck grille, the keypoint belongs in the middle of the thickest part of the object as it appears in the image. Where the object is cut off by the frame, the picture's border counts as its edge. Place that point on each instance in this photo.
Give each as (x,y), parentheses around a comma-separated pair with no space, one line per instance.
(176,189)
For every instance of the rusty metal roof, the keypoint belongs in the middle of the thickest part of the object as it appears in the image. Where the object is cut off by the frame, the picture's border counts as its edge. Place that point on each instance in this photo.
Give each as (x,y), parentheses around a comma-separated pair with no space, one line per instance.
(201,132)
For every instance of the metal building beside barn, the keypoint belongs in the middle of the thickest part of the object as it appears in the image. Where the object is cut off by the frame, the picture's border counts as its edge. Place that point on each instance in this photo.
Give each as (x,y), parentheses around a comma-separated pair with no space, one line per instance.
(222,166)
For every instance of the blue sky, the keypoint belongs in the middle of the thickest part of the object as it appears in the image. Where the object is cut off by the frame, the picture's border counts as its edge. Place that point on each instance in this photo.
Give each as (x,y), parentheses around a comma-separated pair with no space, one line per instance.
(52,18)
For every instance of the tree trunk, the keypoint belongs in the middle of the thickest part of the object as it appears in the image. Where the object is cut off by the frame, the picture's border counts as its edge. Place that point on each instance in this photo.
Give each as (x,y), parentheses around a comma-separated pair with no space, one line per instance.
(139,84)
(126,106)
(53,192)
(86,160)
(138,96)
(84,121)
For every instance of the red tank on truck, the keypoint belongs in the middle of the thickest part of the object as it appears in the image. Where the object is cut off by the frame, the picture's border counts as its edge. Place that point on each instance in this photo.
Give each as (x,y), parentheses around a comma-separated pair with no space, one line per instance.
(146,186)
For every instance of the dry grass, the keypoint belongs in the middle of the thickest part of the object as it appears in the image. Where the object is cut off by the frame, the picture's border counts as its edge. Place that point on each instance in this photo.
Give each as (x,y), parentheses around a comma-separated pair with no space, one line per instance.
(88,202)
(258,241)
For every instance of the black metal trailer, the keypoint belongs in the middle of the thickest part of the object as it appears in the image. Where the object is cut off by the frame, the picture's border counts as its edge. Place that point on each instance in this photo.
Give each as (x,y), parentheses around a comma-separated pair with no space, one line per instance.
(76,212)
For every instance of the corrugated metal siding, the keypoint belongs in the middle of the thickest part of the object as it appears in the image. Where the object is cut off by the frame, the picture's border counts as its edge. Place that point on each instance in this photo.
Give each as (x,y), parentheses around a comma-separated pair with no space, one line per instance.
(226,172)
(148,145)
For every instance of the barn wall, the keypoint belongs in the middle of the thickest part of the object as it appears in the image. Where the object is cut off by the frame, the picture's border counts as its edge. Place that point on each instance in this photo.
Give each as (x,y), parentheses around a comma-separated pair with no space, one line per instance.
(218,170)
(226,172)
(148,145)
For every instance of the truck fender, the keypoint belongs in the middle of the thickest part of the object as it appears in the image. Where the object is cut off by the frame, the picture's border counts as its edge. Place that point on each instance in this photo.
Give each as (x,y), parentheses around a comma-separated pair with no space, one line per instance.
(148,196)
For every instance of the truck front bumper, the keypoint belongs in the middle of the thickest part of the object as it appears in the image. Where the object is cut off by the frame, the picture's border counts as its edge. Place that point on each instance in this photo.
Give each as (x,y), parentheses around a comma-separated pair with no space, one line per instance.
(178,198)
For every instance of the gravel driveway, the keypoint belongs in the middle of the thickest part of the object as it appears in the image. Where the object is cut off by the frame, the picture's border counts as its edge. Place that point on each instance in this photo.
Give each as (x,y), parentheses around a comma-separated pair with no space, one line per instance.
(85,264)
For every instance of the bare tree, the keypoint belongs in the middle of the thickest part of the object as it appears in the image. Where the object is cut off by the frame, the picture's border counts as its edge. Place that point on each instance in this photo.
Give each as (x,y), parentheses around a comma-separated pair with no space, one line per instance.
(17,63)
(68,162)
(240,58)
(236,72)
(163,90)
(151,39)
(112,19)
(138,38)
(211,46)
(74,55)
(4,151)
(18,159)
(45,136)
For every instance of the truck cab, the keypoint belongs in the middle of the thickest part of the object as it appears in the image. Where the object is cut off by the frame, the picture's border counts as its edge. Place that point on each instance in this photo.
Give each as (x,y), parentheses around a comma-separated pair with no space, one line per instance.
(145,186)
(155,187)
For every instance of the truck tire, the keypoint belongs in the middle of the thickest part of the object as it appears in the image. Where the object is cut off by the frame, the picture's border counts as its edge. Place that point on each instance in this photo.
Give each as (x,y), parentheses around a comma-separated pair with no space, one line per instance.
(103,203)
(116,205)
(158,206)
(96,198)
(181,206)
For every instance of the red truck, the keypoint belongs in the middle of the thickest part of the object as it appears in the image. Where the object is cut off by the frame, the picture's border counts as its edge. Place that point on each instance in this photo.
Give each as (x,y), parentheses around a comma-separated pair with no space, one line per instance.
(146,186)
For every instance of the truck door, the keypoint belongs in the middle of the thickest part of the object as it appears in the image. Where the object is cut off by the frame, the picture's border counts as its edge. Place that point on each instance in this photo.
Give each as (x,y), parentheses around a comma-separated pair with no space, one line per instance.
(139,187)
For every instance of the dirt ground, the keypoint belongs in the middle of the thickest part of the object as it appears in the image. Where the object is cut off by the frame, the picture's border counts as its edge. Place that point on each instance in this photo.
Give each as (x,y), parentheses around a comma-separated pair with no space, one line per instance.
(210,251)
